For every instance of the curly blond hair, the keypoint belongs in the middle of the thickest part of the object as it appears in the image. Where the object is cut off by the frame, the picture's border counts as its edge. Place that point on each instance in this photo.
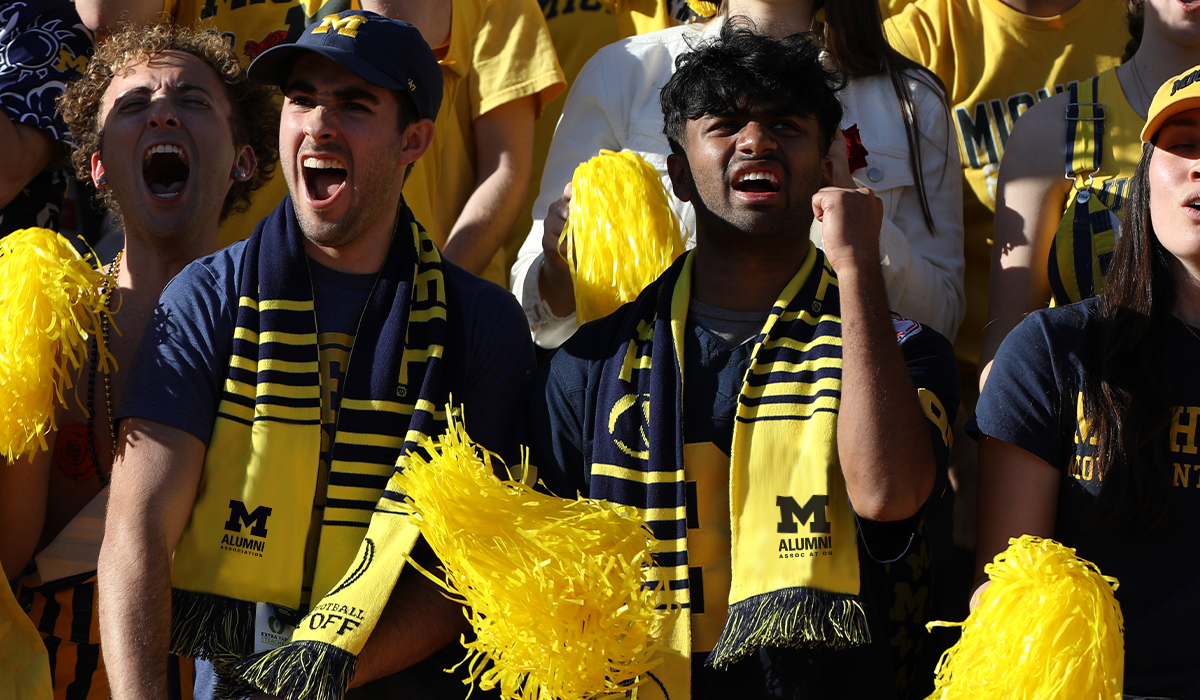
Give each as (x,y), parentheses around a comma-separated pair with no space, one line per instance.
(254,118)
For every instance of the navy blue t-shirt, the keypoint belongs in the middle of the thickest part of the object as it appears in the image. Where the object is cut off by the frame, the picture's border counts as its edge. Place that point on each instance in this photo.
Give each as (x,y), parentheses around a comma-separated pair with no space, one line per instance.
(1031,400)
(184,355)
(893,557)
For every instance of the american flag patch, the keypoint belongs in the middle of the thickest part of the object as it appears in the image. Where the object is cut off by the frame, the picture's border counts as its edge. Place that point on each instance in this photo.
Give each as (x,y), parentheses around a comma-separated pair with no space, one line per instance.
(904,328)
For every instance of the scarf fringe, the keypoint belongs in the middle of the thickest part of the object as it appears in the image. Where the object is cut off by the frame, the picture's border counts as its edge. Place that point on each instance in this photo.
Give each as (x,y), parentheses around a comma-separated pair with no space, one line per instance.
(792,617)
(210,627)
(302,670)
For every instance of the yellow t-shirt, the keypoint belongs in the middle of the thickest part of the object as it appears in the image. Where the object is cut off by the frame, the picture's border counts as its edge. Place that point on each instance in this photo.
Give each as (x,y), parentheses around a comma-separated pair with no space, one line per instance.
(709,541)
(500,51)
(893,7)
(996,63)
(251,27)
(579,28)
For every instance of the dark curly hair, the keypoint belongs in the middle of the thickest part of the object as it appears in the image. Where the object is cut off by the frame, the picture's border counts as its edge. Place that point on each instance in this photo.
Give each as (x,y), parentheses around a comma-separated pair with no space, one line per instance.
(741,66)
(254,117)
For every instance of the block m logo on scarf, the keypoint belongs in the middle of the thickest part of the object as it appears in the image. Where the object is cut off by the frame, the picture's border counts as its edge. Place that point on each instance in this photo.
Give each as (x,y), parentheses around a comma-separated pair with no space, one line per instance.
(790,512)
(239,515)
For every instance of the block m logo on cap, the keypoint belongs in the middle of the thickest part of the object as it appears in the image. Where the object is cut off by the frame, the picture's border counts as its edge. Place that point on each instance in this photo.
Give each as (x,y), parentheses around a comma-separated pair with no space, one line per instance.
(346,26)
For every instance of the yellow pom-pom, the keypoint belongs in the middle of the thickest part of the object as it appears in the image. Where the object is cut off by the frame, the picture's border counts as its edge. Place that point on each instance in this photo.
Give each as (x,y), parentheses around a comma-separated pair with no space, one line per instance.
(704,8)
(553,586)
(50,301)
(621,233)
(1047,627)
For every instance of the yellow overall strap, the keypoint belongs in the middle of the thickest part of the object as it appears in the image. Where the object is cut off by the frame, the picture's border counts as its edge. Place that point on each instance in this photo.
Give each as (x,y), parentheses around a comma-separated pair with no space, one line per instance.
(1085,135)
(1073,276)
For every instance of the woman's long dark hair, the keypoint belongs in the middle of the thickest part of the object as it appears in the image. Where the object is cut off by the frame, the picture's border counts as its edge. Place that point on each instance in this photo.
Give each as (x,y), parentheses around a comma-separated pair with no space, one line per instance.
(1135,16)
(854,33)
(1125,390)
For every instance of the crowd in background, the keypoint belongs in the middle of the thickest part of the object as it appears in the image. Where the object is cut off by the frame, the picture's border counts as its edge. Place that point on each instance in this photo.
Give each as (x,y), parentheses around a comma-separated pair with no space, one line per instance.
(1003,139)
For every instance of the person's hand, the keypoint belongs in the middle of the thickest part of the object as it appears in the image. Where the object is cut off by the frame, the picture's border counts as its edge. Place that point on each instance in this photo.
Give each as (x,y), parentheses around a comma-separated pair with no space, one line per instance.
(978,592)
(552,227)
(554,278)
(840,155)
(850,222)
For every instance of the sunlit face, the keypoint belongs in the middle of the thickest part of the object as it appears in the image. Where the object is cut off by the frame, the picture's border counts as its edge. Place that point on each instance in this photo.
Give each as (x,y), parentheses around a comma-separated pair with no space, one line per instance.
(756,169)
(1174,178)
(167,148)
(1174,20)
(340,149)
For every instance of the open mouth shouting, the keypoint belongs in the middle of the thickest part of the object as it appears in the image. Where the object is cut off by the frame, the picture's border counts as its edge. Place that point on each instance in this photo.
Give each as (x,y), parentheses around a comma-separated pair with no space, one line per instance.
(324,179)
(757,182)
(165,168)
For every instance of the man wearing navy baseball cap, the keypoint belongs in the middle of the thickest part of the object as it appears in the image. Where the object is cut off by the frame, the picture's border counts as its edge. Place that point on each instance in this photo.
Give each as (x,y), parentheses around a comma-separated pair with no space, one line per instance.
(280,379)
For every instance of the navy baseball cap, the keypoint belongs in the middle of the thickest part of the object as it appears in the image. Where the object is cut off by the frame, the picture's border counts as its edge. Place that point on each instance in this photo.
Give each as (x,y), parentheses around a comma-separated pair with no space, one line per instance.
(380,50)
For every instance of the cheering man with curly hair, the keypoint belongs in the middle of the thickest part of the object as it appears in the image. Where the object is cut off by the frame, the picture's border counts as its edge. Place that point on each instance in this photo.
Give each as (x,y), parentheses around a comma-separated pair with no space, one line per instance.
(758,403)
(174,139)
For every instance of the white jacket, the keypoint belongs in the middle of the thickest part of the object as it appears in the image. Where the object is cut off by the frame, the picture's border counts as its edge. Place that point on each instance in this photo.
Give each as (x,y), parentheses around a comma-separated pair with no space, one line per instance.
(613,104)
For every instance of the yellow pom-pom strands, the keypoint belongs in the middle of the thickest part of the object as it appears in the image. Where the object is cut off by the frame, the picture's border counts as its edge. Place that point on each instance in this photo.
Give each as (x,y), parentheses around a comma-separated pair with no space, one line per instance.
(1047,627)
(553,586)
(621,233)
(51,299)
(704,8)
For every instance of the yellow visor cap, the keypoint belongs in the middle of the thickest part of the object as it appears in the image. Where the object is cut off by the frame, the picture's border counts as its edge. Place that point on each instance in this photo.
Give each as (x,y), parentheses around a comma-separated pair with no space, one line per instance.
(1179,94)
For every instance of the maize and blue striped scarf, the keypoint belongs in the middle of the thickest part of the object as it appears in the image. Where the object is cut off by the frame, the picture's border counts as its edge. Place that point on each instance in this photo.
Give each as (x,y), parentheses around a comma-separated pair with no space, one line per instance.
(245,542)
(784,452)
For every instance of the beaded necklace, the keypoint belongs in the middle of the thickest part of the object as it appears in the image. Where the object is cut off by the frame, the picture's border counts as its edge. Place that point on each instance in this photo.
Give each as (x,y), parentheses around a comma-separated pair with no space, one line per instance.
(113,268)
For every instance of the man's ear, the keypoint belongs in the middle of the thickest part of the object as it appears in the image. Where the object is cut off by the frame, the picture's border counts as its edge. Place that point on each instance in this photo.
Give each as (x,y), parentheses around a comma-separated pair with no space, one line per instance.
(415,140)
(98,178)
(681,177)
(245,163)
(826,171)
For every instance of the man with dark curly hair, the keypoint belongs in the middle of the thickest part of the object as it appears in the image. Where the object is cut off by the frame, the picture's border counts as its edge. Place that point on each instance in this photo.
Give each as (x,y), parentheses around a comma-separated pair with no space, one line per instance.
(174,138)
(781,430)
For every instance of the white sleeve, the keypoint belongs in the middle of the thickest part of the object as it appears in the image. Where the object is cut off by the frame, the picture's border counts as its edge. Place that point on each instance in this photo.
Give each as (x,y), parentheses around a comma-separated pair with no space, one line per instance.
(591,120)
(923,268)
(549,331)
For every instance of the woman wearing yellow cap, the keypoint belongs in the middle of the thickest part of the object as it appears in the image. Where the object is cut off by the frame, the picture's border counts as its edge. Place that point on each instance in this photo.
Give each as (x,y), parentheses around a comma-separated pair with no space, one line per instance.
(1065,176)
(1088,421)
